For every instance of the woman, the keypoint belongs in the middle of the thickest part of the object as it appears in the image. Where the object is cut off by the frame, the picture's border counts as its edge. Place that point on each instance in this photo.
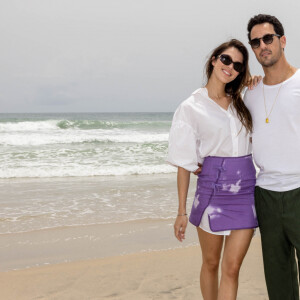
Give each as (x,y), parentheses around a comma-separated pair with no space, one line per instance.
(212,127)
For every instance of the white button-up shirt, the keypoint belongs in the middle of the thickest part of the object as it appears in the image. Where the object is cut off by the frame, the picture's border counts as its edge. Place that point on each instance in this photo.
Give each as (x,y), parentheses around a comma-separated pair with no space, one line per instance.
(202,128)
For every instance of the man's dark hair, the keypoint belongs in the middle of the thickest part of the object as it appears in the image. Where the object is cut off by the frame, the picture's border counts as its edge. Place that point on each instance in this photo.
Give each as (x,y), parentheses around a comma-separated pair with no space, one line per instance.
(260,19)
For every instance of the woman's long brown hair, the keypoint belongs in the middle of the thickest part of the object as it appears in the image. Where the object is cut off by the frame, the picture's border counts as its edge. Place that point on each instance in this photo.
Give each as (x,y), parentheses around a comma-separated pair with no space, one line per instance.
(235,87)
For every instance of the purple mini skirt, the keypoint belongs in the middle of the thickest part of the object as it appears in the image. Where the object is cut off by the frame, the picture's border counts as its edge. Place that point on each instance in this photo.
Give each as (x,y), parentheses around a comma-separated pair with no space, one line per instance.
(226,186)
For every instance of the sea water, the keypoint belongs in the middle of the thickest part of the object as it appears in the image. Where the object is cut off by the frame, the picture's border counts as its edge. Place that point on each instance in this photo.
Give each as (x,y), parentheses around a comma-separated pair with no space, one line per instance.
(87,144)
(82,169)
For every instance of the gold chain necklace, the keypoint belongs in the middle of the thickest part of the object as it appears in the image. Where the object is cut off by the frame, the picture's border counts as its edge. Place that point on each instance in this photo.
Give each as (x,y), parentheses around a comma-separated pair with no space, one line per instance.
(268,115)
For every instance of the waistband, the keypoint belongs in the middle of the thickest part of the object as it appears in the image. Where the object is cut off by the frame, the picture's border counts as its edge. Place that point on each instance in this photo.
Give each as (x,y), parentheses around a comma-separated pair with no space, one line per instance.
(216,158)
(230,167)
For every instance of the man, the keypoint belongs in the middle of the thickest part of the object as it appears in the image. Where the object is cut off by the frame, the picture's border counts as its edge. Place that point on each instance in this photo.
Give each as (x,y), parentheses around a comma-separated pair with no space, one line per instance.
(275,108)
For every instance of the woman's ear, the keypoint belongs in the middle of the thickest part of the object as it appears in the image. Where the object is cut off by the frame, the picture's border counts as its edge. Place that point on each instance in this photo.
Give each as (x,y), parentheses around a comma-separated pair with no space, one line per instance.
(213,60)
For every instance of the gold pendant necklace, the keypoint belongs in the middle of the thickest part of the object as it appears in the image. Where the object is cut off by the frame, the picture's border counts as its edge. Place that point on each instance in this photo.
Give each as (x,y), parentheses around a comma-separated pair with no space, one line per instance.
(268,115)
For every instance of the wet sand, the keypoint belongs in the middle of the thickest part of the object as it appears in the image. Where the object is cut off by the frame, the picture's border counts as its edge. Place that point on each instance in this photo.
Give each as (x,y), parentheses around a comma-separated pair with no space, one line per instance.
(68,244)
(169,274)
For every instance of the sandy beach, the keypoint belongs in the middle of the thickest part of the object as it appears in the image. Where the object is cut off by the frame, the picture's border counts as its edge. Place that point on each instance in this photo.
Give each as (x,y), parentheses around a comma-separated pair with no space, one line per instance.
(51,248)
(168,274)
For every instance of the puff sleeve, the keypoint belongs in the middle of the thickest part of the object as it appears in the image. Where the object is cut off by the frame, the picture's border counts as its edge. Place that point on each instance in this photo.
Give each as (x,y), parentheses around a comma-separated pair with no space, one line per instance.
(182,150)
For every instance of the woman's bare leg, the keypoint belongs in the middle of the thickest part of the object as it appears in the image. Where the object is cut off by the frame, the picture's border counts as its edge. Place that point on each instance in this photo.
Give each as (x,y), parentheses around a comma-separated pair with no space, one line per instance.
(211,246)
(235,249)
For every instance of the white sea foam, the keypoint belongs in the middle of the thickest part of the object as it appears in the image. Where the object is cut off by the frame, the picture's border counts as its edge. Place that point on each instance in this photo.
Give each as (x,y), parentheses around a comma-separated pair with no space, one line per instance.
(83,171)
(50,138)
(28,126)
(83,146)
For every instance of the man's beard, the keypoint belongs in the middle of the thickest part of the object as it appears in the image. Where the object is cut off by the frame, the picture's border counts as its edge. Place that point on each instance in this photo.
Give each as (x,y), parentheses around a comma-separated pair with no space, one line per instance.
(271,62)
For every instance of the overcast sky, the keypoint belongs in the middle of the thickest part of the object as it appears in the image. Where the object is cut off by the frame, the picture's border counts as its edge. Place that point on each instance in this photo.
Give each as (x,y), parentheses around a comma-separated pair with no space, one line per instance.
(120,55)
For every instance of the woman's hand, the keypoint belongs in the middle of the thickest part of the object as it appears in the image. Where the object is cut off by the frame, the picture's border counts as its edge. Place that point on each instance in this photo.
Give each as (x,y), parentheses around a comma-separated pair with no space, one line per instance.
(254,81)
(198,171)
(180,227)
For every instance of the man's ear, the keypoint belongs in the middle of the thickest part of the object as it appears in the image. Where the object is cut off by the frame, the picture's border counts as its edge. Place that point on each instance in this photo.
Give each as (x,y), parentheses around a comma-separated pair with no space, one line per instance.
(283,42)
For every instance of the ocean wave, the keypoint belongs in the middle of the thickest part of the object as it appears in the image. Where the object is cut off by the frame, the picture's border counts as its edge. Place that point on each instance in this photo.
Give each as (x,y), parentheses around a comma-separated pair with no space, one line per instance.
(65,124)
(84,171)
(37,139)
(97,124)
(24,126)
(62,145)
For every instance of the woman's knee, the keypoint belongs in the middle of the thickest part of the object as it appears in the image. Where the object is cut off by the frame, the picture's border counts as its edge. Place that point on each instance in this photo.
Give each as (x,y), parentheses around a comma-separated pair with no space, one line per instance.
(231,269)
(211,263)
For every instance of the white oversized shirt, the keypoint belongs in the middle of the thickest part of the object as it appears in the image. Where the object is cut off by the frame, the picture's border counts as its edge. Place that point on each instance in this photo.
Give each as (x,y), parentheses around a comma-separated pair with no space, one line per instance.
(202,128)
(276,145)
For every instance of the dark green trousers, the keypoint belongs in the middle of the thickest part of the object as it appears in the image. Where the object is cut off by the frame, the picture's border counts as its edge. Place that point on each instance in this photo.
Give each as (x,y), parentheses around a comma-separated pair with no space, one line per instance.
(278,216)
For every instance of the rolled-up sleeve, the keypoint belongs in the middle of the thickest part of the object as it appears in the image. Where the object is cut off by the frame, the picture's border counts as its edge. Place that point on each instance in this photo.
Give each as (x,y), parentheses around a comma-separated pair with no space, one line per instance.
(182,151)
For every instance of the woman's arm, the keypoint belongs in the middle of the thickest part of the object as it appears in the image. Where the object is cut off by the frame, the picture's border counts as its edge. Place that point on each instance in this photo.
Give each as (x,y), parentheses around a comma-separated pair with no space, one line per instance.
(183,181)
